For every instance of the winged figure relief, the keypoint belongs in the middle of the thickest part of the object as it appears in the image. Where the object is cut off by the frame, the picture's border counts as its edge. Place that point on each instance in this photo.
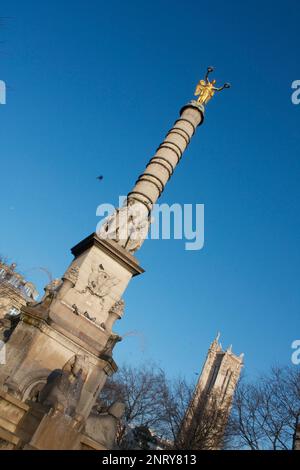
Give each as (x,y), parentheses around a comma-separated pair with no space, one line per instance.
(100,281)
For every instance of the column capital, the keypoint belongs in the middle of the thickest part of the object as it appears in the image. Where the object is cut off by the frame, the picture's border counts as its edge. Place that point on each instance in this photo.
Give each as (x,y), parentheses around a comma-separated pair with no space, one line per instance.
(194,104)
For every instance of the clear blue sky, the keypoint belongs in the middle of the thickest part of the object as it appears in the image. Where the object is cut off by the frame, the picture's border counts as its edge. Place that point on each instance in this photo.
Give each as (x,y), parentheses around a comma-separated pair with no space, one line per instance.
(93,86)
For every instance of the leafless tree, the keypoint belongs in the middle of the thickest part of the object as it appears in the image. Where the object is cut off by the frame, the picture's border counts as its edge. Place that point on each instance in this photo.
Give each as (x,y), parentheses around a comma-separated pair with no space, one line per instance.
(193,423)
(161,405)
(265,412)
(141,389)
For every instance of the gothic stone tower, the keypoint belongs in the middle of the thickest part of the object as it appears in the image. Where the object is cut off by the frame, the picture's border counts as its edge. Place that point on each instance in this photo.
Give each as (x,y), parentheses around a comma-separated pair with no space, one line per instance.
(60,354)
(210,405)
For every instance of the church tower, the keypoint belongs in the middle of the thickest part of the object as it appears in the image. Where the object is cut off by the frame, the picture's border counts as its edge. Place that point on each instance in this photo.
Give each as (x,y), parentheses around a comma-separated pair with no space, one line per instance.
(220,372)
(206,417)
(60,353)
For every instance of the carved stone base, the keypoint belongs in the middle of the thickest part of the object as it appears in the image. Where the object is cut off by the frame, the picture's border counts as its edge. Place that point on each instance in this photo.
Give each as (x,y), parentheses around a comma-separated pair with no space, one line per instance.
(57,432)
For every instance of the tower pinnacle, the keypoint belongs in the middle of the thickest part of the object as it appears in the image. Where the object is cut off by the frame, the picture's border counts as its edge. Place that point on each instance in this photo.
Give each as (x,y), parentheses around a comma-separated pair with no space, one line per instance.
(212,398)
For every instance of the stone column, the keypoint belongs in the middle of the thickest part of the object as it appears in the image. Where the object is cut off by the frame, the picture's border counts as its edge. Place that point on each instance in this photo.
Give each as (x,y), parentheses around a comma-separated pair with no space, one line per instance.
(160,168)
(129,225)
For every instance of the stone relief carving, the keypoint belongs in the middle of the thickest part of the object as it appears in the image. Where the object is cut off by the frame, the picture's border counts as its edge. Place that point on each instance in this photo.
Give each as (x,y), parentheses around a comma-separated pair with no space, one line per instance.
(100,283)
(72,273)
(115,312)
(87,315)
(75,309)
(54,285)
(111,342)
(103,426)
(64,386)
(128,226)
(118,308)
(51,291)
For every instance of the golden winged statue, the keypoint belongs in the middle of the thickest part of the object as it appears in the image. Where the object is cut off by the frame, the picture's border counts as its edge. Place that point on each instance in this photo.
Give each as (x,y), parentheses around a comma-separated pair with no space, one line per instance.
(205,89)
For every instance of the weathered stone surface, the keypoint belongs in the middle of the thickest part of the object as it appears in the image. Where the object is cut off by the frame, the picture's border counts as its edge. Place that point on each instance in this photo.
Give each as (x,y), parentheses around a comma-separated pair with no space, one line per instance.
(102,427)
(215,387)
(52,337)
(128,225)
(74,320)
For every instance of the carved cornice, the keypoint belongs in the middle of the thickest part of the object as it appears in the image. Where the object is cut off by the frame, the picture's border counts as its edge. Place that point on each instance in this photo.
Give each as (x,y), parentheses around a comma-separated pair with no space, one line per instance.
(28,317)
(112,249)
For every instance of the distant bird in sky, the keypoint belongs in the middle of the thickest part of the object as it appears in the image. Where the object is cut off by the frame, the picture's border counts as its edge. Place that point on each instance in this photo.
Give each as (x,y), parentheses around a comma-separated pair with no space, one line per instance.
(100,178)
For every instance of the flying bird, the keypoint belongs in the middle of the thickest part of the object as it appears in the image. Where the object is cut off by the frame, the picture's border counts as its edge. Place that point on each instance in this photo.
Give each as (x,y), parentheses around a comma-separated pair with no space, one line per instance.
(100,178)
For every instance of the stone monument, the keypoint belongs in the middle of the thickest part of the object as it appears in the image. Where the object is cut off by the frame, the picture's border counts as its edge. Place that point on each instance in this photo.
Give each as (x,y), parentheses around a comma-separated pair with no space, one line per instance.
(60,353)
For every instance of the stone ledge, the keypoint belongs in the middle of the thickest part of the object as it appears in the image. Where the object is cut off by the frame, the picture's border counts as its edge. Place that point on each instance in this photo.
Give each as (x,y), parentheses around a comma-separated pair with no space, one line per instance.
(91,443)
(112,249)
(9,437)
(56,333)
(13,400)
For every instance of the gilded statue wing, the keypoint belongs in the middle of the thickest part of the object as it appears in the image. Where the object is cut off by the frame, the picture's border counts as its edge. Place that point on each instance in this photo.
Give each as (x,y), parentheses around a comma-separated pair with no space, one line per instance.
(200,86)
